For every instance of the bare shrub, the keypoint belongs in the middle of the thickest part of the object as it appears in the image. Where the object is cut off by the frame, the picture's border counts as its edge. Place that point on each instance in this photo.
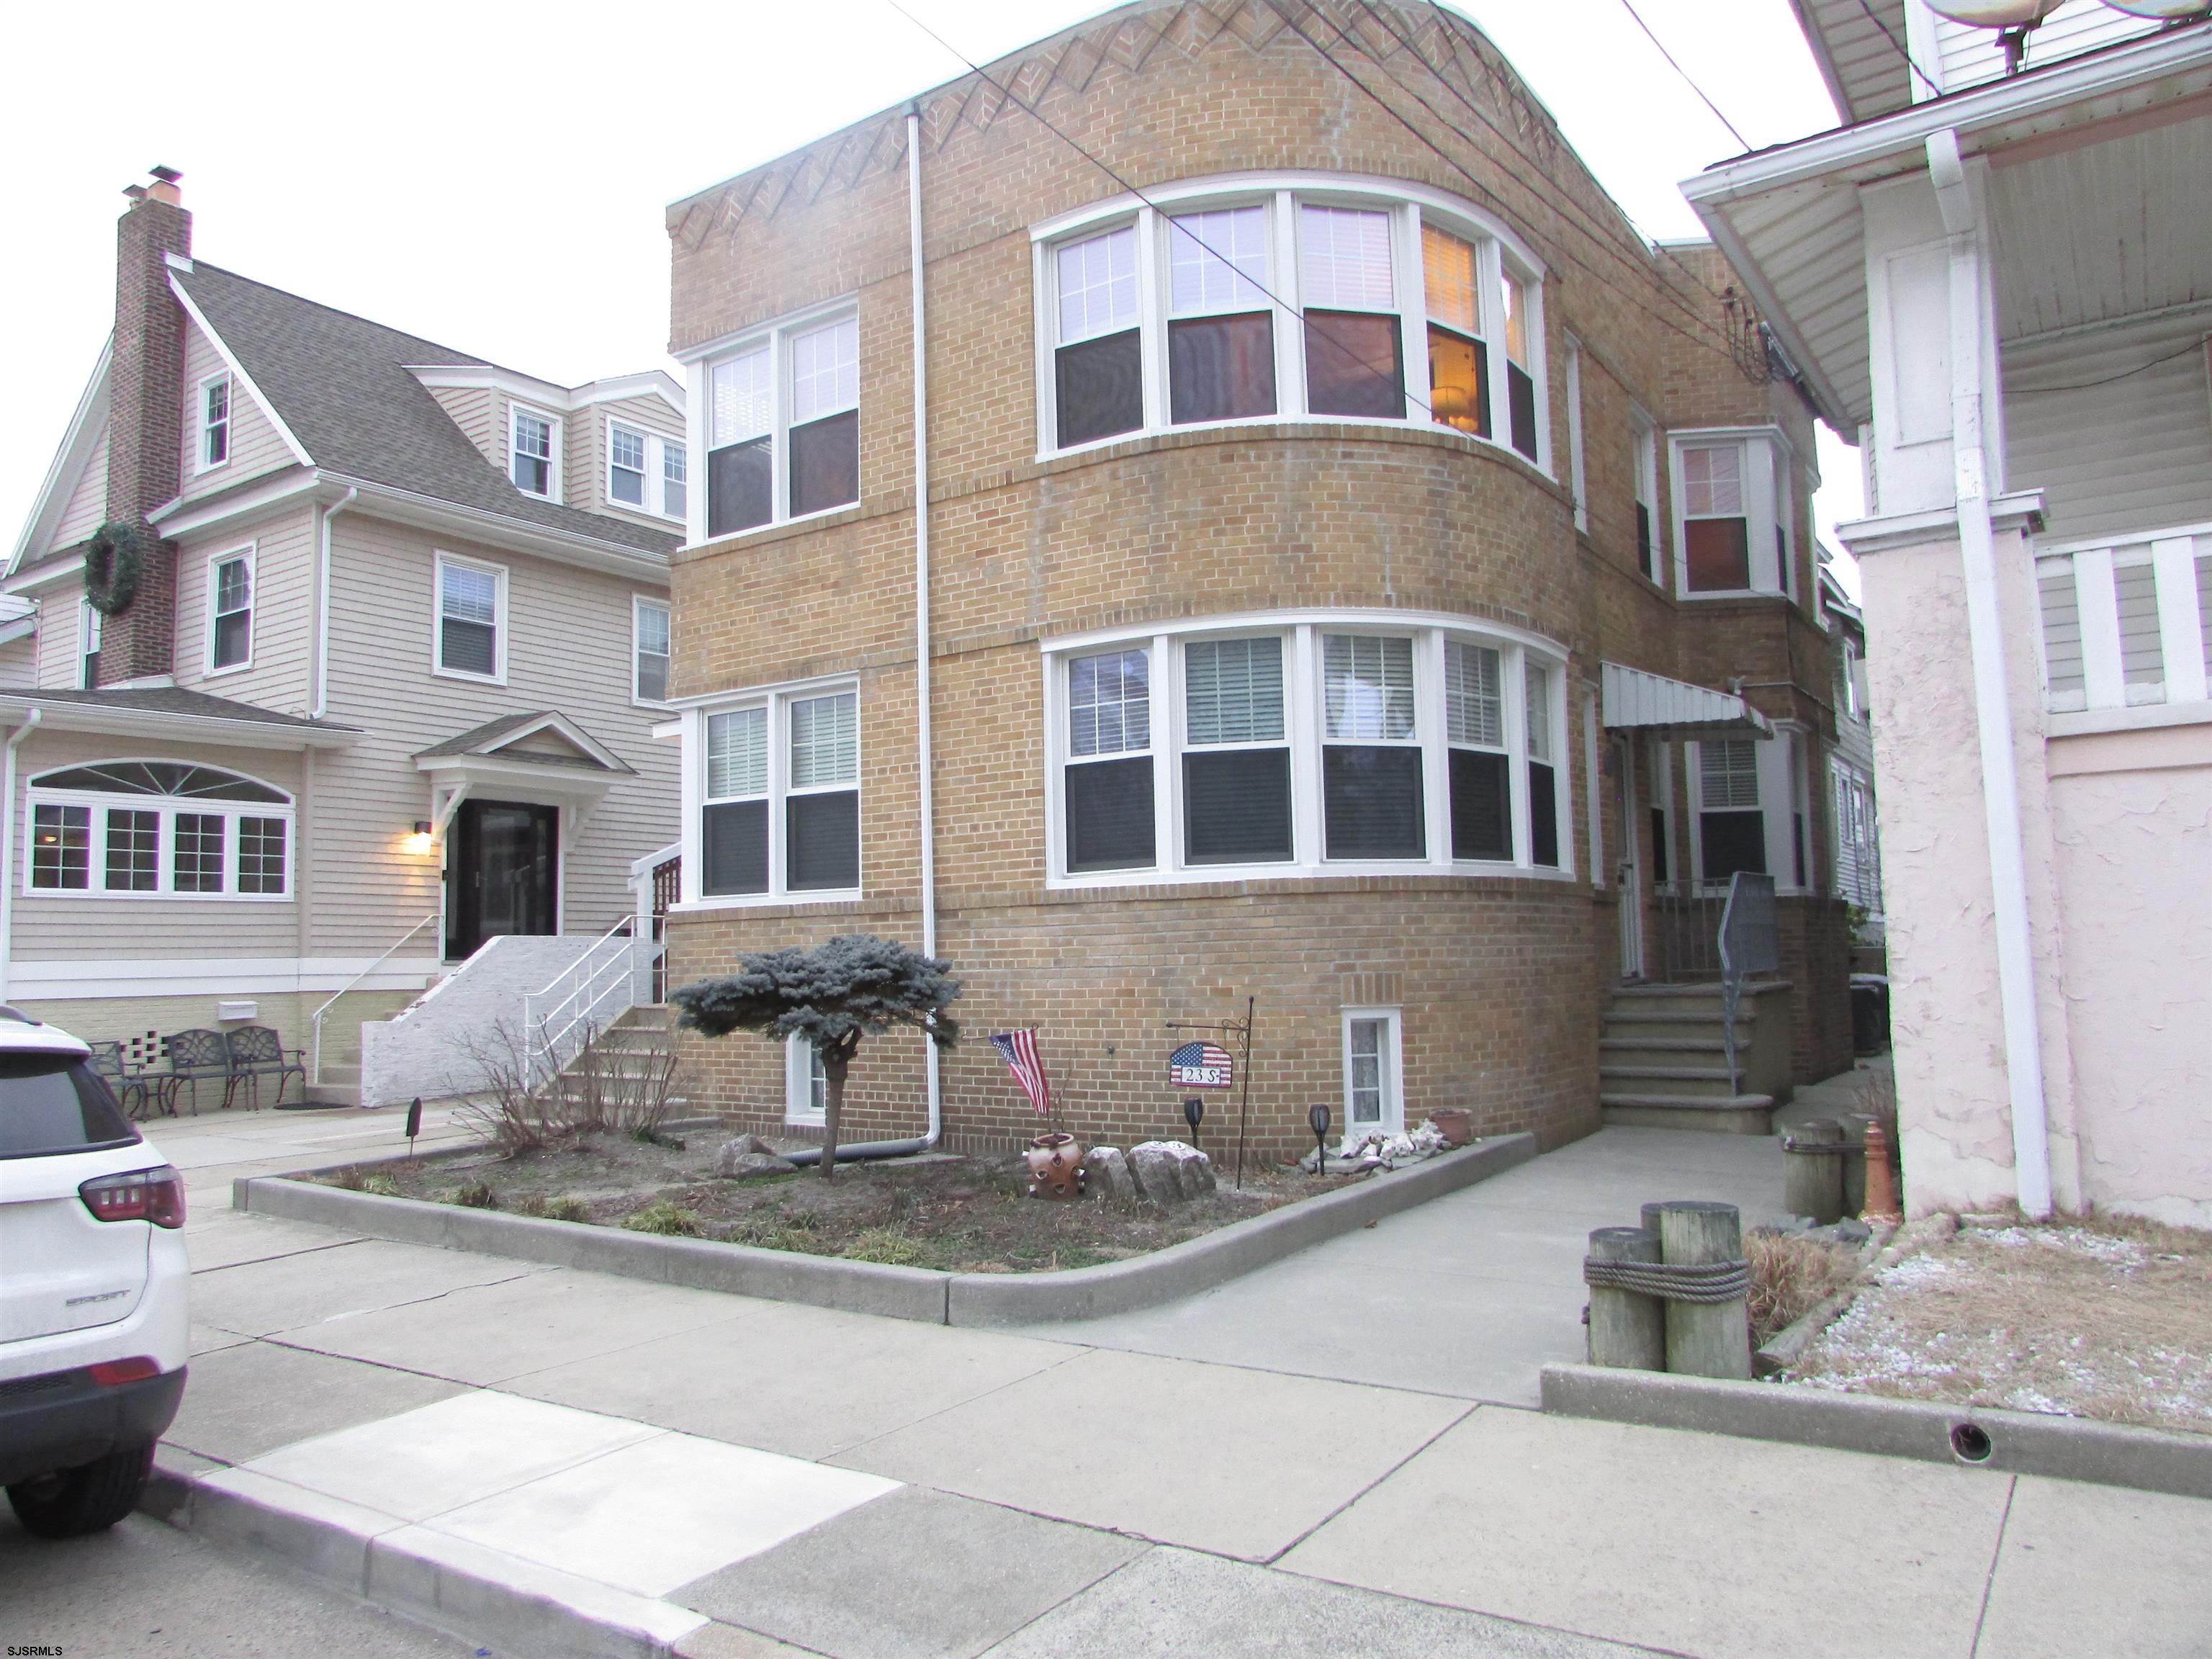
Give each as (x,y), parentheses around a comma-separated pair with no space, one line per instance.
(612,1085)
(505,1107)
(1790,1276)
(619,1085)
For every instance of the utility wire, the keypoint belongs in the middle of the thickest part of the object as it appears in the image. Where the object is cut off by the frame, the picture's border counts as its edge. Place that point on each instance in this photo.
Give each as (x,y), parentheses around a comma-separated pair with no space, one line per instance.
(1629,6)
(2190,350)
(1890,35)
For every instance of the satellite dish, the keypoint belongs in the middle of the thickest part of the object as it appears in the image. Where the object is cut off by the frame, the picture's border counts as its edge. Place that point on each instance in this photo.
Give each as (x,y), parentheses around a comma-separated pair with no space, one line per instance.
(1995,13)
(2171,11)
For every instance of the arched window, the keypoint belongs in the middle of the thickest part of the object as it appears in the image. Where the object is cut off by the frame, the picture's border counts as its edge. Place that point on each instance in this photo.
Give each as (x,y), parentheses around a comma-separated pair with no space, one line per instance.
(158,829)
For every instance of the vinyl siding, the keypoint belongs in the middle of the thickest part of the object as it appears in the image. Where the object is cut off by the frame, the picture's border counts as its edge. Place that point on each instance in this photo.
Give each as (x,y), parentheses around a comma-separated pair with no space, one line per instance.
(50,927)
(280,672)
(474,409)
(647,414)
(567,649)
(60,616)
(1968,55)
(88,503)
(255,447)
(2131,455)
(19,661)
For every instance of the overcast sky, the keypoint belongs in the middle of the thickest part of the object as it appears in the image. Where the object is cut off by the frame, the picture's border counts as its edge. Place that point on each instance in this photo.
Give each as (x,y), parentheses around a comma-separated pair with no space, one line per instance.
(492,177)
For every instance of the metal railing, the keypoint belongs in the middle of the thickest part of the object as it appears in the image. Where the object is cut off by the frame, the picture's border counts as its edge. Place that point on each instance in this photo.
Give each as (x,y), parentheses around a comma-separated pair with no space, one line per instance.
(2126,620)
(315,1069)
(584,1000)
(1749,944)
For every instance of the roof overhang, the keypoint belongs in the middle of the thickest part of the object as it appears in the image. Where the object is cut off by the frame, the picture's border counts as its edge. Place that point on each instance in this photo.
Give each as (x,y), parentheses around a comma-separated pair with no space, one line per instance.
(516,779)
(59,715)
(86,423)
(1632,700)
(428,512)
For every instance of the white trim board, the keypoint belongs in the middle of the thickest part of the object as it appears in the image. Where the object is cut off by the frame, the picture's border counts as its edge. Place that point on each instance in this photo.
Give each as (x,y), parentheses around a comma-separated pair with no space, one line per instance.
(78,979)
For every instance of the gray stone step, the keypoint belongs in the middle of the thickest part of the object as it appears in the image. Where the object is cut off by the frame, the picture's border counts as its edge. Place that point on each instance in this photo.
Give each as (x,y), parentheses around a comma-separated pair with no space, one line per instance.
(335,1094)
(1741,1114)
(1701,1082)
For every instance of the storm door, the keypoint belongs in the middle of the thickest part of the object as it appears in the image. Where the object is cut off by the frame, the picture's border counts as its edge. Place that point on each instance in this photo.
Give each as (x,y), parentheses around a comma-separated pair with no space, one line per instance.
(504,875)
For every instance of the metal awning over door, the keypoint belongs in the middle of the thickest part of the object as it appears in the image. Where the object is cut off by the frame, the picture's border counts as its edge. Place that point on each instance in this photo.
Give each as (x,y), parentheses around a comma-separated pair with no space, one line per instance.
(1632,700)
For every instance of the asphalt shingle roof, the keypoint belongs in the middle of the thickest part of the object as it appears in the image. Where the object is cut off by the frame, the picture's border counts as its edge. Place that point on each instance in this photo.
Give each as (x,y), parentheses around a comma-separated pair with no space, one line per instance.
(173,700)
(340,382)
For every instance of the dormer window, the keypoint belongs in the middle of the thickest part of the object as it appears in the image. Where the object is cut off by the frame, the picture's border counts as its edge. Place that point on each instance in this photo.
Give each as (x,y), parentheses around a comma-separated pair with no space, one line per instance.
(534,449)
(213,447)
(644,471)
(1732,513)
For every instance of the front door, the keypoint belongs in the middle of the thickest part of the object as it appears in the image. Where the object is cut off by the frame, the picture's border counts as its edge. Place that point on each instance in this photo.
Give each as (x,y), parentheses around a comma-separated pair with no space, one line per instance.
(504,874)
(1632,860)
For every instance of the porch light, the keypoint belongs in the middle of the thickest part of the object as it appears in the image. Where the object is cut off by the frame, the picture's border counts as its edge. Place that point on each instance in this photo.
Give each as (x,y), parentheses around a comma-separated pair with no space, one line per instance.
(420,841)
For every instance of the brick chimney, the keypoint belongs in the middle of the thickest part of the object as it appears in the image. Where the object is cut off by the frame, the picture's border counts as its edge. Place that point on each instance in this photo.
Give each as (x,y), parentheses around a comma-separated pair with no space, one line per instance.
(146,400)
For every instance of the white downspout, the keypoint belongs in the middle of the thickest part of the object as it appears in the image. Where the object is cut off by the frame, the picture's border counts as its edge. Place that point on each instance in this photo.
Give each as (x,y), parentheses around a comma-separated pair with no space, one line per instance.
(922,677)
(31,719)
(322,600)
(1971,424)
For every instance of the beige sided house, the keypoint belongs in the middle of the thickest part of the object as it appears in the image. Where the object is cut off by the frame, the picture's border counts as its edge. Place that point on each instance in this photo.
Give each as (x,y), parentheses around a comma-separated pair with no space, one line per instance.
(382,699)
(2000,284)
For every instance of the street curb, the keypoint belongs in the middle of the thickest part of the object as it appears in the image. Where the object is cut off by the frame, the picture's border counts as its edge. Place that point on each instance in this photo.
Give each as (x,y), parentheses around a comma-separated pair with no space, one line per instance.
(2019,1442)
(487,1599)
(918,1293)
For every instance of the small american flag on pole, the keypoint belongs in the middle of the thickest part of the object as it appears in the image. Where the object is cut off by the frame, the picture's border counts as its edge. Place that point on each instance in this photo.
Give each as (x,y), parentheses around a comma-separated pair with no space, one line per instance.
(1019,1051)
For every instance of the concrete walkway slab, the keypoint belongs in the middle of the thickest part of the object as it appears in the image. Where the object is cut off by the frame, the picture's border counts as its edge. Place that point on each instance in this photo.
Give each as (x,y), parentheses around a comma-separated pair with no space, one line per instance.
(241,1402)
(945,1579)
(228,1238)
(1241,1463)
(1692,1543)
(1172,1604)
(863,1377)
(2088,1569)
(299,1292)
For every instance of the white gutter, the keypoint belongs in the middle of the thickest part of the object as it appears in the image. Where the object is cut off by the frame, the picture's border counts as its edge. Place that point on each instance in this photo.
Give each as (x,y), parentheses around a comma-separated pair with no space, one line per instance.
(31,719)
(921,675)
(323,599)
(1964,219)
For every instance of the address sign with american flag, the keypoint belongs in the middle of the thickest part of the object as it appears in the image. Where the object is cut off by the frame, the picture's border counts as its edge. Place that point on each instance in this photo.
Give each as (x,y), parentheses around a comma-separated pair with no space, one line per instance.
(1200,1066)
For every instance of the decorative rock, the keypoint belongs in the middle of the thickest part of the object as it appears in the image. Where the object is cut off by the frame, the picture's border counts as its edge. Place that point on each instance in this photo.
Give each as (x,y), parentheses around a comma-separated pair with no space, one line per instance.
(1195,1171)
(1106,1174)
(1170,1171)
(749,1155)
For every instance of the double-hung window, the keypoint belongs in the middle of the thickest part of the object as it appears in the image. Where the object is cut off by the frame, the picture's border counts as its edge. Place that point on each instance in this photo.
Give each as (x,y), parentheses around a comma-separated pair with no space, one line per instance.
(674,479)
(534,451)
(795,393)
(230,611)
(1650,552)
(1576,478)
(1253,748)
(626,455)
(158,829)
(780,810)
(1287,303)
(212,423)
(88,620)
(1733,511)
(650,649)
(471,619)
(646,471)
(1731,827)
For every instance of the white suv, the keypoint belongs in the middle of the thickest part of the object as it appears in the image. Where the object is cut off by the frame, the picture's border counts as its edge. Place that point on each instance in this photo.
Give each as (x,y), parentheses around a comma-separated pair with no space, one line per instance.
(94,1329)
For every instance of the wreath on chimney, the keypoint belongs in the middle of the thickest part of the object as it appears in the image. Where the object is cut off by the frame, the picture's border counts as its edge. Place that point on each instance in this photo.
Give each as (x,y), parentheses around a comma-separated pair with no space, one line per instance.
(113,560)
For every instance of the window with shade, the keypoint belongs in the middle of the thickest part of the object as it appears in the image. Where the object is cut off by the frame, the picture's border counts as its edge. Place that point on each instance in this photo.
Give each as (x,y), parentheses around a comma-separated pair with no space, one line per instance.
(1733,509)
(1716,528)
(1290,303)
(471,619)
(783,426)
(779,792)
(1731,827)
(1256,748)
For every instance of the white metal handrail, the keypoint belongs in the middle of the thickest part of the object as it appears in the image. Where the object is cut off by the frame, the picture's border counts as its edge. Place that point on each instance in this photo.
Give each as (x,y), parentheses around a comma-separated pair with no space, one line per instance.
(585,997)
(316,1070)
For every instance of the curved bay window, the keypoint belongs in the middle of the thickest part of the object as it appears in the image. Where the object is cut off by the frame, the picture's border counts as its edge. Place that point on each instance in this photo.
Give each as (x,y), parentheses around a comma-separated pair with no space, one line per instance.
(1293,299)
(1353,744)
(158,829)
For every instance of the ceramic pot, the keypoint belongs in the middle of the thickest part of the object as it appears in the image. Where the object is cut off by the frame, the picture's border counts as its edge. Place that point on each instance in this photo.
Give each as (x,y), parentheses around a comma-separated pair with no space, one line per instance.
(1055,1164)
(1457,1123)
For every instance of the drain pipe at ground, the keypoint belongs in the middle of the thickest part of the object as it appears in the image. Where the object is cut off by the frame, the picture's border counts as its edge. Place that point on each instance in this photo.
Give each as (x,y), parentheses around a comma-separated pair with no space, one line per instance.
(876,1149)
(31,719)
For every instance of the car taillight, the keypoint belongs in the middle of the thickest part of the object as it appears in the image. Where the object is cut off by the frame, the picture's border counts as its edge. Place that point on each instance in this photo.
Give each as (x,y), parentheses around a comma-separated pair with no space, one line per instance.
(156,1195)
(110,1372)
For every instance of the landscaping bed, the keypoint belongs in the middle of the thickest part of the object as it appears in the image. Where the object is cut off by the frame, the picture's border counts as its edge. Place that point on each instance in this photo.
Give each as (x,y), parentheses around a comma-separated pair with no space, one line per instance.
(2107,1318)
(954,1213)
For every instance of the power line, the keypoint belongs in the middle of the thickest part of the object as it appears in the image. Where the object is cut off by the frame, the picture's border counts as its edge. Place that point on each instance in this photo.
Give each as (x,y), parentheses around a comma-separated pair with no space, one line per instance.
(1629,7)
(2189,351)
(1904,51)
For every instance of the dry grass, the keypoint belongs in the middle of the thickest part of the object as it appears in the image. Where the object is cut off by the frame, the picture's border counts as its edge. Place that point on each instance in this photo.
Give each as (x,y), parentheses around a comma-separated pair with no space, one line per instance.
(2108,1317)
(1790,1276)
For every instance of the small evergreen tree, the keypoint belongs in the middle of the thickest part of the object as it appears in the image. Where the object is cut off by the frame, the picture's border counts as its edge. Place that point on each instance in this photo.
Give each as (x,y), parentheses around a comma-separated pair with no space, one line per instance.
(854,985)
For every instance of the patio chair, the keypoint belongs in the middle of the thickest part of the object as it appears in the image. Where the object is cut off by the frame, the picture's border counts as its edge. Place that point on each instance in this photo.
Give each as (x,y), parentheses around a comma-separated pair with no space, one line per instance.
(195,1056)
(256,1052)
(129,1088)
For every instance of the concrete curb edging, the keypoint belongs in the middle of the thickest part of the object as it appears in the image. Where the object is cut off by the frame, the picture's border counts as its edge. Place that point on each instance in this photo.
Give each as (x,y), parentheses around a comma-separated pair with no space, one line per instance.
(918,1293)
(447,1584)
(2019,1443)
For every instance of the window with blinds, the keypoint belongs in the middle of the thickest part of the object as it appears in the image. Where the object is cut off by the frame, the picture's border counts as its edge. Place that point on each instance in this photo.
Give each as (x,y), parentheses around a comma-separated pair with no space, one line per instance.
(1235,766)
(1459,360)
(740,454)
(1731,826)
(1474,723)
(1716,529)
(781,815)
(1372,791)
(822,812)
(1347,285)
(1098,364)
(733,820)
(1221,335)
(794,392)
(1543,766)
(1108,781)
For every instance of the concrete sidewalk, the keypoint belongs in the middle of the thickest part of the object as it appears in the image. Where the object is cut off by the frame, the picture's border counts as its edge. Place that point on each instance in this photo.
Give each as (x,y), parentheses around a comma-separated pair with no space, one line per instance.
(732,1475)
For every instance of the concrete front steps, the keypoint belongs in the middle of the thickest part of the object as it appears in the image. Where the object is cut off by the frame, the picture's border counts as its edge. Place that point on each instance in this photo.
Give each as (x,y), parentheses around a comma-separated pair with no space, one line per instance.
(635,1048)
(1662,1061)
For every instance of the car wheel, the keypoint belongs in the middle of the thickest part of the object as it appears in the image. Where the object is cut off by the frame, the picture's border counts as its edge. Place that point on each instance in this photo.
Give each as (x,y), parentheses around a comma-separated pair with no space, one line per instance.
(88,1498)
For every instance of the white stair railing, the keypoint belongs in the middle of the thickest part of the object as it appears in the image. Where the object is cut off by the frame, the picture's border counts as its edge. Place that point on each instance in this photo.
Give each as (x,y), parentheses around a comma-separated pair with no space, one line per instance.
(587,998)
(315,1069)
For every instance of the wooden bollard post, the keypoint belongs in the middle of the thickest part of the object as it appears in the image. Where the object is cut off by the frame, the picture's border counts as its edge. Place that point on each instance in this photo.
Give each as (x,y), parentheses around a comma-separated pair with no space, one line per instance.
(1626,1328)
(1705,1338)
(1813,1170)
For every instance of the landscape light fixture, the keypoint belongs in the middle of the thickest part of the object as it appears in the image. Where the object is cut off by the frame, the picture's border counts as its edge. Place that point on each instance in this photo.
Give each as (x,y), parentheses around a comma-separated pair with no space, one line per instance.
(1318,1116)
(1193,1110)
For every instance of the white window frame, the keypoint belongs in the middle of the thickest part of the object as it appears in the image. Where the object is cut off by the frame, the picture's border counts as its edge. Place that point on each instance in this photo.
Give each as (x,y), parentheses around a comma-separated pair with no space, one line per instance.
(678,451)
(1577,468)
(1664,761)
(1644,434)
(515,410)
(1784,794)
(1303,725)
(1392,1054)
(166,808)
(440,561)
(652,488)
(639,604)
(250,554)
(801,1060)
(89,633)
(1767,465)
(203,427)
(1410,207)
(777,700)
(776,337)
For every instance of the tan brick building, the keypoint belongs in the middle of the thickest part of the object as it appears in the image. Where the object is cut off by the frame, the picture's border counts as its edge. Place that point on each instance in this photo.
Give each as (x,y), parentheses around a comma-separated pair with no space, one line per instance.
(1305,428)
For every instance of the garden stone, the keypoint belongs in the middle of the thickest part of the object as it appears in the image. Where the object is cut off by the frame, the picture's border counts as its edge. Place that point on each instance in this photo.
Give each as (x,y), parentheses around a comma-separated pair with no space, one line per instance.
(1106,1171)
(749,1155)
(1194,1170)
(1158,1167)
